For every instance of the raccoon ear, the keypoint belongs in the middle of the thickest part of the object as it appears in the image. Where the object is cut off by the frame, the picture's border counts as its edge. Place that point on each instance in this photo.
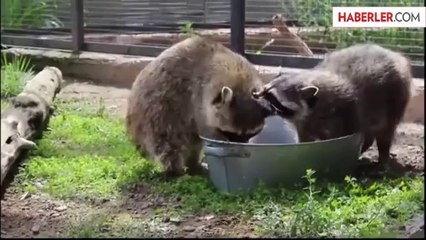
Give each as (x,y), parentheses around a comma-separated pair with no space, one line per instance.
(309,91)
(226,95)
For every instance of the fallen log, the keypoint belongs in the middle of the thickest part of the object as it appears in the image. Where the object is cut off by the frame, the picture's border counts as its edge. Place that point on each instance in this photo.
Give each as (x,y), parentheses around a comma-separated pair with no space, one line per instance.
(27,116)
(416,227)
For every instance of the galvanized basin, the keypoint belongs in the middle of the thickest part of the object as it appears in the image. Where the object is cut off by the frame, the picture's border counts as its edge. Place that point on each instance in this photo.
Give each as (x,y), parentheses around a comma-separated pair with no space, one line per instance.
(242,166)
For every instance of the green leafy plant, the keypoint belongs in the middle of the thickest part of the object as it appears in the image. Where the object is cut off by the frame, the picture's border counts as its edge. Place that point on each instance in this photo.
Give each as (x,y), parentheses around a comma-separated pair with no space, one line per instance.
(13,74)
(187,28)
(24,13)
(350,210)
(308,221)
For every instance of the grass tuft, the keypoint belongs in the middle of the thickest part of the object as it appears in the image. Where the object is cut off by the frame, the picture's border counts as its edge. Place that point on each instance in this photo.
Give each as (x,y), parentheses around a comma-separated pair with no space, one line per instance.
(13,75)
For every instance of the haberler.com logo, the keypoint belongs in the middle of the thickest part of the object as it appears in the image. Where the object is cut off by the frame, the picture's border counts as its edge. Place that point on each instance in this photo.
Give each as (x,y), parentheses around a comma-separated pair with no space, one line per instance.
(379,17)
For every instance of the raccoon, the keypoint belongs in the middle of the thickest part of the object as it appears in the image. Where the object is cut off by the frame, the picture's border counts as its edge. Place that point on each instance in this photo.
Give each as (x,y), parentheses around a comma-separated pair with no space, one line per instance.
(364,88)
(320,104)
(195,87)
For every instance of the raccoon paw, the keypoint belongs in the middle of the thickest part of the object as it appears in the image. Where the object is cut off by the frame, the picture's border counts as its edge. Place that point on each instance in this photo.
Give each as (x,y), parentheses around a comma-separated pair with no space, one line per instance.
(369,169)
(173,173)
(197,170)
(384,160)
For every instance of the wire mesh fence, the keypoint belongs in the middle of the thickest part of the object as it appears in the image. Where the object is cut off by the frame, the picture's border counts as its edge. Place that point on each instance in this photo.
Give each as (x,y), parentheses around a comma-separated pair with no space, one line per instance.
(281,27)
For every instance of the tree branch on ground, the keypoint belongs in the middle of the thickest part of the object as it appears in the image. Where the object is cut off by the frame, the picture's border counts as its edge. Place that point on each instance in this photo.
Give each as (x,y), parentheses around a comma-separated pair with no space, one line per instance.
(27,116)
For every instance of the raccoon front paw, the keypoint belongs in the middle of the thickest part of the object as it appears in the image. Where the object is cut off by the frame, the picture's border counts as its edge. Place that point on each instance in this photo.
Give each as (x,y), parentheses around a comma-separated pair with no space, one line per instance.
(383,160)
(172,173)
(366,168)
(197,170)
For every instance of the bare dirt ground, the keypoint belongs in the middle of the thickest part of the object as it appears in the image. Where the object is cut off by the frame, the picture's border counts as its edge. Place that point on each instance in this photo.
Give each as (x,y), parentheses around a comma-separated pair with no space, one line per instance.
(114,99)
(40,216)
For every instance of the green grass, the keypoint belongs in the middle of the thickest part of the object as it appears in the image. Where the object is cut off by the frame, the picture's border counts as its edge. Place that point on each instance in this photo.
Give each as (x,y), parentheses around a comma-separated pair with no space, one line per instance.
(351,210)
(87,155)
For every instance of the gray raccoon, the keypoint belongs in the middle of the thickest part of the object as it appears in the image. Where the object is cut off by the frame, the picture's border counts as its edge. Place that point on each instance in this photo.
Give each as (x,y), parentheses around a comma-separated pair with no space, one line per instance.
(364,88)
(320,104)
(195,87)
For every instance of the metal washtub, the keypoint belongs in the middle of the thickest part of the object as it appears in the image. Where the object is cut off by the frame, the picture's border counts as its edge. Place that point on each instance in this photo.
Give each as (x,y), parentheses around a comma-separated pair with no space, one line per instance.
(242,166)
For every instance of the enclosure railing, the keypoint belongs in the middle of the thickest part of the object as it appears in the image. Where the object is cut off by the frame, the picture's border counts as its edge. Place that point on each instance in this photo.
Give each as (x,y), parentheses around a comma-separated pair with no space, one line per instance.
(147,27)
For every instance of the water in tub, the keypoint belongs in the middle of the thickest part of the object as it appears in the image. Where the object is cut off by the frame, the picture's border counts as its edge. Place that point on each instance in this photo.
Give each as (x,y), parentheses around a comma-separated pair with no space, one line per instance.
(276,130)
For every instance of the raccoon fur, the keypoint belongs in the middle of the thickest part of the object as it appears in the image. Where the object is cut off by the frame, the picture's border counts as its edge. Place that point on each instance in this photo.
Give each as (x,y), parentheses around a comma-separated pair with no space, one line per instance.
(195,87)
(364,88)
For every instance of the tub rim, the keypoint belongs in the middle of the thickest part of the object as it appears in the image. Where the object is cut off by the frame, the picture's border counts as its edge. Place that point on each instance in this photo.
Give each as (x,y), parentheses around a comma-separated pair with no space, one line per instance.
(280,144)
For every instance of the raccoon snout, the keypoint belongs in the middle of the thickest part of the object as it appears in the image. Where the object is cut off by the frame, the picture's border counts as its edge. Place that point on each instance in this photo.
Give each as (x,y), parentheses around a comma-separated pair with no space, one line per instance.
(238,137)
(272,105)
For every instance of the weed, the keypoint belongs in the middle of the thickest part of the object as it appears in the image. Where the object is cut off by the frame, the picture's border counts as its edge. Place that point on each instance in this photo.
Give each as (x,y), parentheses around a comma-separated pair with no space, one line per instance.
(334,213)
(101,108)
(14,74)
(103,225)
(93,225)
(187,28)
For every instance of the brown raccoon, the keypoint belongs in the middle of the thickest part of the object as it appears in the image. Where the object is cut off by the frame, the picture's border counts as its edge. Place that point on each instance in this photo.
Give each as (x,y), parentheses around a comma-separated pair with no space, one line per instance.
(195,87)
(361,88)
